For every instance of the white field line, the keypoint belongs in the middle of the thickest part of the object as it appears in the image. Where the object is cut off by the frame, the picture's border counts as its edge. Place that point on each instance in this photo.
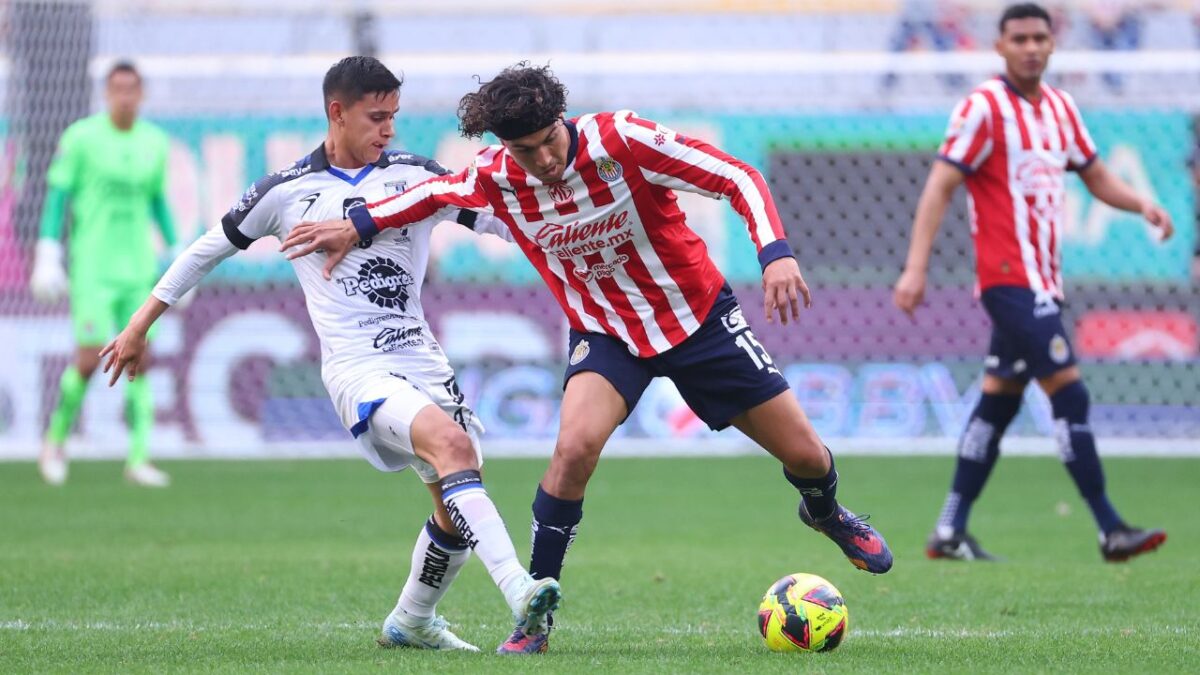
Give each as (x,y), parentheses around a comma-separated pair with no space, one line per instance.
(900,632)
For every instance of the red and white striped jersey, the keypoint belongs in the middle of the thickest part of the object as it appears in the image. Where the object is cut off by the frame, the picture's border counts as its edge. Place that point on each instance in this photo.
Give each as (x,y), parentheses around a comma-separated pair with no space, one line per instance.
(1015,154)
(609,238)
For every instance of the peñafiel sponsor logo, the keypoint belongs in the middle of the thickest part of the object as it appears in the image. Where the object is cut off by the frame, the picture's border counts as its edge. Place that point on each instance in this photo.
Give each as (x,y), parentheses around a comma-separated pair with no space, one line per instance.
(383,281)
(392,339)
(575,239)
(601,270)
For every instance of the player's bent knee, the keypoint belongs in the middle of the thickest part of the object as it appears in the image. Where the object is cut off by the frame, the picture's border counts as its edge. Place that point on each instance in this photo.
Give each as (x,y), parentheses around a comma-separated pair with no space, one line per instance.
(458,449)
(575,458)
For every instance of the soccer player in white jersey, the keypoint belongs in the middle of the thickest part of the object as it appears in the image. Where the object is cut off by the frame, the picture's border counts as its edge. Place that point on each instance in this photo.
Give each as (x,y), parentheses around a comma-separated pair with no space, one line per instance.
(387,375)
(1012,141)
(590,202)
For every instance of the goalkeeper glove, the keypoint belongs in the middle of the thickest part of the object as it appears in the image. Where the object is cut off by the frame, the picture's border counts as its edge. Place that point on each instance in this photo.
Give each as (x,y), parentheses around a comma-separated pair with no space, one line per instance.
(49,280)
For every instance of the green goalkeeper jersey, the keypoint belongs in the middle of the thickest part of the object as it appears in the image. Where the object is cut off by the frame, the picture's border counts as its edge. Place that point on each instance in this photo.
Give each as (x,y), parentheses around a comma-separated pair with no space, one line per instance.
(113,179)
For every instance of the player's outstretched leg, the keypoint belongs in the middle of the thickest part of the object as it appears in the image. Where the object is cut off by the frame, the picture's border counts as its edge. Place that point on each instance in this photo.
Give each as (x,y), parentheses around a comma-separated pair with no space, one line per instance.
(1077,448)
(780,426)
(978,450)
(478,522)
(436,560)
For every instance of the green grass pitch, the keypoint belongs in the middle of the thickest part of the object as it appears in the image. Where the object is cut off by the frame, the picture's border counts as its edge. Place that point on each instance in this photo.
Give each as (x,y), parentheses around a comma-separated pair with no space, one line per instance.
(291,567)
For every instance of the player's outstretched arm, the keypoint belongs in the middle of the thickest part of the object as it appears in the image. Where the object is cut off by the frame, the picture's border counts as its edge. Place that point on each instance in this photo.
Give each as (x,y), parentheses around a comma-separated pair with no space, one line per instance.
(943,180)
(335,237)
(1110,189)
(128,350)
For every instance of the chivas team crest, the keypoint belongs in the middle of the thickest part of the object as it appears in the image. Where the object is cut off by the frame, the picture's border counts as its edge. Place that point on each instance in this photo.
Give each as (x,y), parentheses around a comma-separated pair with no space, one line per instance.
(608,169)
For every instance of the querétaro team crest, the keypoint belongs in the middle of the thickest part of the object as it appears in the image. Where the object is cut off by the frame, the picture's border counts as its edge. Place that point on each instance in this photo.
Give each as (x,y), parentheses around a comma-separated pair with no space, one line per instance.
(383,281)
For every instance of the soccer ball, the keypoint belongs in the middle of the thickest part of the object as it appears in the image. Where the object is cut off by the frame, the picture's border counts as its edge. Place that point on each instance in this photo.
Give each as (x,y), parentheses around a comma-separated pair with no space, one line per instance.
(803,613)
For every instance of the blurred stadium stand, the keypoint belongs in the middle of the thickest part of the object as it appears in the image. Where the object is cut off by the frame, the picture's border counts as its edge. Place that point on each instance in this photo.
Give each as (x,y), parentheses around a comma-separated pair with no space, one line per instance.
(840,114)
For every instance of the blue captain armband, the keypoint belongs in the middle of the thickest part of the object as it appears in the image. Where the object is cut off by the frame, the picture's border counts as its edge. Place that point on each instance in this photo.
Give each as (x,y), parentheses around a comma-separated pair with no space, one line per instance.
(363,223)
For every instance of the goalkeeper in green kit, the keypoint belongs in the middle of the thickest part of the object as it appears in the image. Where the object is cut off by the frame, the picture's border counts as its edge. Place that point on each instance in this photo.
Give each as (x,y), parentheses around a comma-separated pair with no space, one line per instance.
(110,170)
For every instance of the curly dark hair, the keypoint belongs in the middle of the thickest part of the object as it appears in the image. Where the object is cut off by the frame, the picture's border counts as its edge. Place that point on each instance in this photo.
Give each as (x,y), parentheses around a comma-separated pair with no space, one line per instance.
(519,101)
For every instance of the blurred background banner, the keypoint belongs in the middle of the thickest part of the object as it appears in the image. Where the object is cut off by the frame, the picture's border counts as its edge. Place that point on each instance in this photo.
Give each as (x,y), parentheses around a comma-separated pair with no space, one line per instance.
(841,105)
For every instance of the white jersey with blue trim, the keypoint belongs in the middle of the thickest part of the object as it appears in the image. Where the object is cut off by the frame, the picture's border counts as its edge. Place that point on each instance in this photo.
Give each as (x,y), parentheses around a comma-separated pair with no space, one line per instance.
(369,318)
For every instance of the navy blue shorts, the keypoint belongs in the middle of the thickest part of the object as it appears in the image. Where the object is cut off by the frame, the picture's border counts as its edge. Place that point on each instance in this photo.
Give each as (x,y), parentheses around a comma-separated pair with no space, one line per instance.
(1028,338)
(721,370)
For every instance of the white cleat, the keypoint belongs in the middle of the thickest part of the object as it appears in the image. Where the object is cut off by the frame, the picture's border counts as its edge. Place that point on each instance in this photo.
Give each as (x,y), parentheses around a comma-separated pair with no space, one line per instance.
(540,597)
(431,633)
(147,475)
(52,464)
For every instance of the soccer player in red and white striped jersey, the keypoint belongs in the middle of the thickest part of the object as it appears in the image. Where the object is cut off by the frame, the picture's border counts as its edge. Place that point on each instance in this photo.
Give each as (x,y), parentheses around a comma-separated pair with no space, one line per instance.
(1012,141)
(591,202)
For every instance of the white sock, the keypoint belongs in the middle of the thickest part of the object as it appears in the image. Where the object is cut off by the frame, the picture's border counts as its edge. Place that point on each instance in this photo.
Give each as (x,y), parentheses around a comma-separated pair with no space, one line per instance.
(478,521)
(436,559)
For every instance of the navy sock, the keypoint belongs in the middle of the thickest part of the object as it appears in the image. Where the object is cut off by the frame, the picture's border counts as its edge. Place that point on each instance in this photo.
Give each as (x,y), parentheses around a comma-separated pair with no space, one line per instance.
(819,494)
(555,522)
(978,450)
(1077,449)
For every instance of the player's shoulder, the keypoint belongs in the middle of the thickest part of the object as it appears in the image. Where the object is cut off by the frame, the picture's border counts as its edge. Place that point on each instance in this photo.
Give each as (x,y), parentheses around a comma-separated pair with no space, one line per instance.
(621,119)
(85,126)
(149,128)
(272,182)
(985,91)
(403,159)
(487,159)
(1061,94)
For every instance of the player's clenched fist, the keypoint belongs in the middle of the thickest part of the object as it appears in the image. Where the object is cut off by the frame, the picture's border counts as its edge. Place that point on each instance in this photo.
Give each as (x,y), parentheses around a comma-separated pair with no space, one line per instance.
(335,237)
(909,291)
(783,286)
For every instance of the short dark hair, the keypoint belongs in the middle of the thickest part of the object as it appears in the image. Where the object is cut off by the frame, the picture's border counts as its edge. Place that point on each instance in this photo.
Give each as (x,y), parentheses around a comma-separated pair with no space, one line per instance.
(123,66)
(519,101)
(1025,10)
(352,78)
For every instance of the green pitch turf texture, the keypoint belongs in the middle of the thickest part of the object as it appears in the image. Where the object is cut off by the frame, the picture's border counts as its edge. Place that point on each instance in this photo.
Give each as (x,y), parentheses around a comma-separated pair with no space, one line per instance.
(291,567)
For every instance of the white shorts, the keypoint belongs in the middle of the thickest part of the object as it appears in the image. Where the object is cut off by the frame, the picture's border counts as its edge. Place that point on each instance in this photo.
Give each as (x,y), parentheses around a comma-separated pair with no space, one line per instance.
(386,407)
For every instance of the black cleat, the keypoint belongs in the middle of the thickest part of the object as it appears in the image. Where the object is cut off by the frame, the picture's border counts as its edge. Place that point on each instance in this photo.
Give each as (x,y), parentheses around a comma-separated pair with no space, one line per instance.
(1125,542)
(957,546)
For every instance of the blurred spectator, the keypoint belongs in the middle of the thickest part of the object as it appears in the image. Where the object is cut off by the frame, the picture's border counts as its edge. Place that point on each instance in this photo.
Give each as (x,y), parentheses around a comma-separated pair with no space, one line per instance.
(1114,25)
(931,24)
